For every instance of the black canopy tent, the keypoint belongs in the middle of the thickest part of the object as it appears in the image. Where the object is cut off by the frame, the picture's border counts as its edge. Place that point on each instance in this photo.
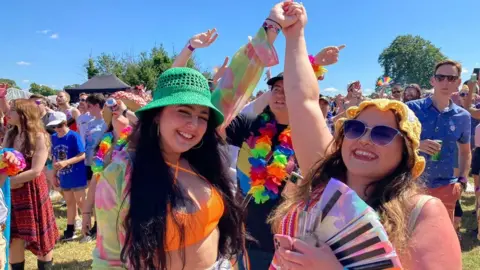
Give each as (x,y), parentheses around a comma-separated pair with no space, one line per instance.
(105,84)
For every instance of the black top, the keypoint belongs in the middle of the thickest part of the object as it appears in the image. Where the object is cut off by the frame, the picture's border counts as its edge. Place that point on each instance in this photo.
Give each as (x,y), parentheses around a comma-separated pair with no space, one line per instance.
(244,129)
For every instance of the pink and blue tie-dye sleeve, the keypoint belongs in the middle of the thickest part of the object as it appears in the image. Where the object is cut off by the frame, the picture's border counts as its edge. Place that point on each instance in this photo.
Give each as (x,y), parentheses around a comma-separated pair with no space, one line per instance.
(108,205)
(242,75)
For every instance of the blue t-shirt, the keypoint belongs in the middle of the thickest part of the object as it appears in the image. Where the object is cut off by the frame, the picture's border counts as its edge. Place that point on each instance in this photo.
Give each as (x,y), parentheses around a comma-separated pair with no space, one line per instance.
(451,126)
(66,147)
(95,129)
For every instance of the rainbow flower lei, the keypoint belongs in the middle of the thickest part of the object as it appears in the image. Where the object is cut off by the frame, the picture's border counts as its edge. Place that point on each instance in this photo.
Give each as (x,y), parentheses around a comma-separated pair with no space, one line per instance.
(105,146)
(266,178)
(319,70)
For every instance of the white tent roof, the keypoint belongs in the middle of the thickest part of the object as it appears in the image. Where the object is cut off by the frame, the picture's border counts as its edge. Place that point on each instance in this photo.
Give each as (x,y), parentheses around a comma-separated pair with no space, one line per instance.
(14,93)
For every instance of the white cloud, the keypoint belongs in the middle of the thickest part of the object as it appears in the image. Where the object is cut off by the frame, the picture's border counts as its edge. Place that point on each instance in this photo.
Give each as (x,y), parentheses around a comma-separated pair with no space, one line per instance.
(23,63)
(477,64)
(54,36)
(25,81)
(53,86)
(46,31)
(330,89)
(464,70)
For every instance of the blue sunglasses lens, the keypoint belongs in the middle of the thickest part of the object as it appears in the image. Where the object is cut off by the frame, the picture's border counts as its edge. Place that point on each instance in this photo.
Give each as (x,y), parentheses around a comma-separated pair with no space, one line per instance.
(383,135)
(354,129)
(380,135)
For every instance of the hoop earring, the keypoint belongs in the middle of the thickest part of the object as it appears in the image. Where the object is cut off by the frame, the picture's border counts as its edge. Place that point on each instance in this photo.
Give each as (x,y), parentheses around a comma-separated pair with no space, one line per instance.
(198,145)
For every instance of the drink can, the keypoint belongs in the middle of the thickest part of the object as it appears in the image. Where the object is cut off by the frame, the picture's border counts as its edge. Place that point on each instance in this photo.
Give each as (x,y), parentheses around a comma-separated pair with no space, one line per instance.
(436,156)
(111,103)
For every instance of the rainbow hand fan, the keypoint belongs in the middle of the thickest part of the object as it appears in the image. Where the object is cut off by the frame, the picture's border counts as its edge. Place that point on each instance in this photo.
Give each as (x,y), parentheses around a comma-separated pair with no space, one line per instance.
(385,81)
(351,228)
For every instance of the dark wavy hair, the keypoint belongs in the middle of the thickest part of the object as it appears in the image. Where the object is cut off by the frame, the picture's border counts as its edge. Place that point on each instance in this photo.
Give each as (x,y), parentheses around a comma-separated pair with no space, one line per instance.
(153,190)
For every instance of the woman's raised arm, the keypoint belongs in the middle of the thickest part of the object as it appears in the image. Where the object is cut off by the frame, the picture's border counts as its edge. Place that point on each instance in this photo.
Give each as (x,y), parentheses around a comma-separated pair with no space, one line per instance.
(310,133)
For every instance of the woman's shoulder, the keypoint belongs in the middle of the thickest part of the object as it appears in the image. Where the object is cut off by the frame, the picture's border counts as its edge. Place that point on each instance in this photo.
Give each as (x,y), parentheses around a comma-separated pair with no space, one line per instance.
(427,210)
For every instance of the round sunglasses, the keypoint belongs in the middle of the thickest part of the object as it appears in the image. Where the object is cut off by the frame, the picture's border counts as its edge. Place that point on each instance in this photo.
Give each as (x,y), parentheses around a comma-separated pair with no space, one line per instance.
(379,135)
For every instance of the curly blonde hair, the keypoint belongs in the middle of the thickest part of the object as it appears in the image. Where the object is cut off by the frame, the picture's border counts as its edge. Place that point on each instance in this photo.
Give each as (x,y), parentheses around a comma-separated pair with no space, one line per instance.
(31,125)
(391,196)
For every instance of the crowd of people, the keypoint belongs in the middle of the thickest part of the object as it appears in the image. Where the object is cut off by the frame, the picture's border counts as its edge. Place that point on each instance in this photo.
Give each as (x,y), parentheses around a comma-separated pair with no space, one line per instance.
(194,177)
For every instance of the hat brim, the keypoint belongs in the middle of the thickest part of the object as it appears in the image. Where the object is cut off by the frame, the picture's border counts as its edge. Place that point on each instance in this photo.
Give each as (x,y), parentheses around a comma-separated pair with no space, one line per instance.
(54,123)
(273,80)
(183,98)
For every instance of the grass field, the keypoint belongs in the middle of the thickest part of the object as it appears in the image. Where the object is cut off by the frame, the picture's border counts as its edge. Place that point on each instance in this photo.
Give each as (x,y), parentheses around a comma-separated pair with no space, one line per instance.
(71,255)
(74,255)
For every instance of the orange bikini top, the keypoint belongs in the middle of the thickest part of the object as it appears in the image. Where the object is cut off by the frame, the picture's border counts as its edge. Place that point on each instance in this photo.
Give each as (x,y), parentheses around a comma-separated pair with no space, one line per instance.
(197,225)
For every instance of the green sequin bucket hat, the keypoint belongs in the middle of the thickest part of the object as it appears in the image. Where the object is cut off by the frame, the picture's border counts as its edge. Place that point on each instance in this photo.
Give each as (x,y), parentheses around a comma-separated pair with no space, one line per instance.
(182,86)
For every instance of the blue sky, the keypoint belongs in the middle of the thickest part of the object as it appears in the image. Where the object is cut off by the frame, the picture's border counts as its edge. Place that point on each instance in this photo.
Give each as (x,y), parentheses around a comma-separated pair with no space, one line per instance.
(77,29)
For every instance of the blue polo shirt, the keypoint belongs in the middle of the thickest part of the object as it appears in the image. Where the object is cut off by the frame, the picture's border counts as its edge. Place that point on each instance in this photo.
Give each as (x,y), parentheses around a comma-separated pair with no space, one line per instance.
(450,126)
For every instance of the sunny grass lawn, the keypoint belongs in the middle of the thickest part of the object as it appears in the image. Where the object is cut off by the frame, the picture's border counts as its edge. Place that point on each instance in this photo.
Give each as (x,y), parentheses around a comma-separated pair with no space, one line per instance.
(470,244)
(74,255)
(71,255)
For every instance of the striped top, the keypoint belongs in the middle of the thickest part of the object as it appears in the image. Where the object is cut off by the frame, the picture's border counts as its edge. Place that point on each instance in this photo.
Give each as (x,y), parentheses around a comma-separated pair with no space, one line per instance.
(289,223)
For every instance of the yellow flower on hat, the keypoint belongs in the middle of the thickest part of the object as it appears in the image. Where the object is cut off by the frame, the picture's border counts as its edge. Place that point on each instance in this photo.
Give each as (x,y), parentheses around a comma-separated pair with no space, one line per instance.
(408,124)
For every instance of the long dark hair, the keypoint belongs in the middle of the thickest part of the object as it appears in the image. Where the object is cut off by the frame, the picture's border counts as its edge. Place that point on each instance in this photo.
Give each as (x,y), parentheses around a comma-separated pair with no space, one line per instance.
(153,190)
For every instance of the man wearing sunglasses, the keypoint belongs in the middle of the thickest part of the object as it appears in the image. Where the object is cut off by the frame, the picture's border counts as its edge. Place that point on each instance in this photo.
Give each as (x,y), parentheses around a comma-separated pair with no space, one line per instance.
(84,118)
(445,126)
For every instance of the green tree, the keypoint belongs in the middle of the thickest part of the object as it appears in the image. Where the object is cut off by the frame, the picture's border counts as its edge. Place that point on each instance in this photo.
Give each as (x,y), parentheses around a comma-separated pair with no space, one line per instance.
(42,90)
(134,70)
(11,83)
(92,71)
(110,64)
(410,59)
(71,86)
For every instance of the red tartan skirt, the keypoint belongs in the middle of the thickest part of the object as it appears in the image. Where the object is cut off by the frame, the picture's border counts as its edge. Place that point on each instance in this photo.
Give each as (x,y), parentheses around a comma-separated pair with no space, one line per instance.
(32,218)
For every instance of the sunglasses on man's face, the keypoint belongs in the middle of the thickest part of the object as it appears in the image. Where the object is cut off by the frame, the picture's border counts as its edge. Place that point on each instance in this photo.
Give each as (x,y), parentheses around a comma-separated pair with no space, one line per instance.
(379,135)
(463,94)
(397,92)
(83,100)
(449,78)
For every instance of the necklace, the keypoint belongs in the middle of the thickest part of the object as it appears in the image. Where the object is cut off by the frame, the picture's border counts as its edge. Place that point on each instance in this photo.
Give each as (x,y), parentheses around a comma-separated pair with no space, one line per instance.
(266,178)
(105,146)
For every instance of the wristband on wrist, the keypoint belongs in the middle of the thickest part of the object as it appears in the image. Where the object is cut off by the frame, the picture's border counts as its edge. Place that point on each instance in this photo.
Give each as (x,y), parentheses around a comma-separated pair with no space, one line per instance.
(275,22)
(86,213)
(190,47)
(267,25)
(462,180)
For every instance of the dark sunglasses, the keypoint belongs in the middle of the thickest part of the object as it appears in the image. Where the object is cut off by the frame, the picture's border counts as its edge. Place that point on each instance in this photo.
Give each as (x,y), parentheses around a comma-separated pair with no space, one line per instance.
(463,94)
(397,92)
(83,100)
(379,135)
(441,78)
